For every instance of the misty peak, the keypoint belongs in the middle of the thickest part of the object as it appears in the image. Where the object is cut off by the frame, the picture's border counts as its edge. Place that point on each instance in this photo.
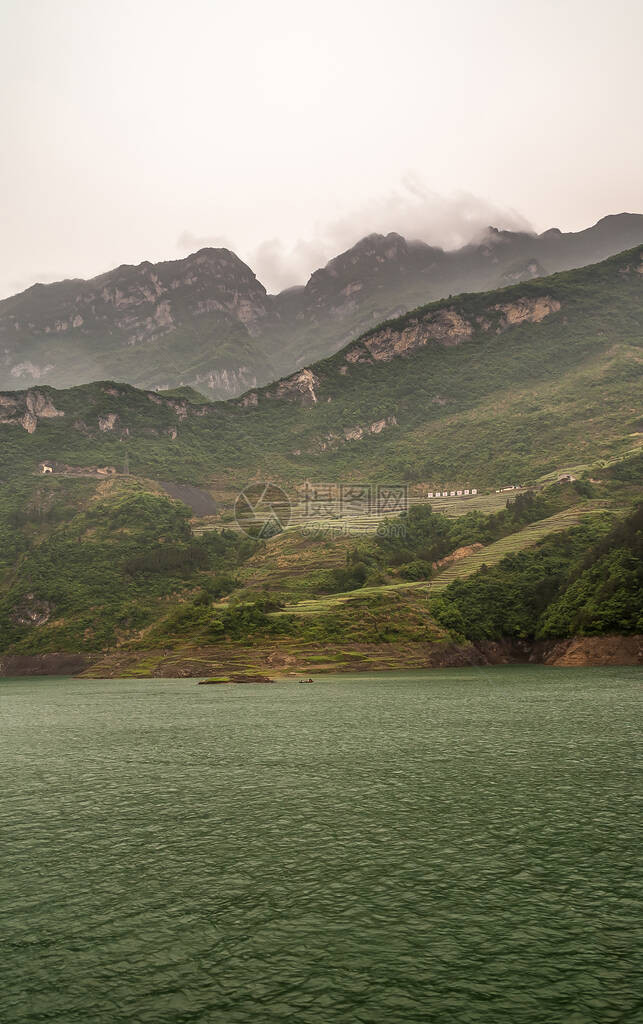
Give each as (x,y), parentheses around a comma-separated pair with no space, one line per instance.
(205,319)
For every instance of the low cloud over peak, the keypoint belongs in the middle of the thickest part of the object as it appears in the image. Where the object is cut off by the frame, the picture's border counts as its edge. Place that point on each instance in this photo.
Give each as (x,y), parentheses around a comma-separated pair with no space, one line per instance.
(412,210)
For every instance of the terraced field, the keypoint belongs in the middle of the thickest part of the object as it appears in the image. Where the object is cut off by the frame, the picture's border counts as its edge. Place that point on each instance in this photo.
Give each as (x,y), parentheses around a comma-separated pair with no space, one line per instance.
(489,555)
(368,523)
(595,468)
(531,534)
(332,520)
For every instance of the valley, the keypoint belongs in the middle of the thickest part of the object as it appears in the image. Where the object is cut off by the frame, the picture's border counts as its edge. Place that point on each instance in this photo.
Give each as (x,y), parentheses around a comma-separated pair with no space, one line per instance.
(119,506)
(321,512)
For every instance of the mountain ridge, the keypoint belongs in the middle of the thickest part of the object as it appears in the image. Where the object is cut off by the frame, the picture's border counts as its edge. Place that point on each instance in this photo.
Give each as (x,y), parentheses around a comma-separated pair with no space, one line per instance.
(206,321)
(509,383)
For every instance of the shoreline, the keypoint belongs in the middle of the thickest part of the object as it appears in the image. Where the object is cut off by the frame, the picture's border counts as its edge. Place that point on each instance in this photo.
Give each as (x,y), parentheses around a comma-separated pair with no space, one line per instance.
(198,662)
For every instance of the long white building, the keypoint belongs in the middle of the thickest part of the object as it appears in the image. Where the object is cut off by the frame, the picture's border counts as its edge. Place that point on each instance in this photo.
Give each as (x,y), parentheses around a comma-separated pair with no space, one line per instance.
(458,493)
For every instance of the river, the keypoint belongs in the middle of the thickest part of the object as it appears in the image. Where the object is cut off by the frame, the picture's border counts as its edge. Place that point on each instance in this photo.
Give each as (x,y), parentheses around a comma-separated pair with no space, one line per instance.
(451,846)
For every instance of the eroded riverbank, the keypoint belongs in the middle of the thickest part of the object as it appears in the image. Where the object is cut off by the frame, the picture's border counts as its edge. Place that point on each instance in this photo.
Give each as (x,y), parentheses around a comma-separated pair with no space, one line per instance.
(193,662)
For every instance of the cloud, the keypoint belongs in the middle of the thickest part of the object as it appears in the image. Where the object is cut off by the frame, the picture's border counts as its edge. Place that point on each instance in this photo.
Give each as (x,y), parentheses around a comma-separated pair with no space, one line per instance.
(412,210)
(416,212)
(280,266)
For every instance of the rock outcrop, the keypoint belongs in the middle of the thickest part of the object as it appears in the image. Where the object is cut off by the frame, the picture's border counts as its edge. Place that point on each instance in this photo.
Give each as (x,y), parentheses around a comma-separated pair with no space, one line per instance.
(445,327)
(457,555)
(593,650)
(301,386)
(212,295)
(206,321)
(528,310)
(27,408)
(107,422)
(32,611)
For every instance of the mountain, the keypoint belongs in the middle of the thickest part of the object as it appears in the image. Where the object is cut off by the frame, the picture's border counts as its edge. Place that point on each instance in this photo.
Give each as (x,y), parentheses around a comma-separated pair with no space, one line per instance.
(385,276)
(491,387)
(195,321)
(481,390)
(207,322)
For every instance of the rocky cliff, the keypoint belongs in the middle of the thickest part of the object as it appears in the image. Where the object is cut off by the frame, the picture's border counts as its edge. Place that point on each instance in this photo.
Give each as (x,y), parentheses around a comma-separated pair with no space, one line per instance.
(206,321)
(193,321)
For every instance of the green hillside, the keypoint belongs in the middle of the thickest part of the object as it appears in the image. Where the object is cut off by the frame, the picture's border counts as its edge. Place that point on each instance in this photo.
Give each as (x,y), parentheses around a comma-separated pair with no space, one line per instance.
(481,390)
(115,567)
(505,403)
(586,581)
(502,405)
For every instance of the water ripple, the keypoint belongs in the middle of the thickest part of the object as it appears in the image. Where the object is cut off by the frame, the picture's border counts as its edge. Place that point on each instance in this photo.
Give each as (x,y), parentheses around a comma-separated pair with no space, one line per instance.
(451,847)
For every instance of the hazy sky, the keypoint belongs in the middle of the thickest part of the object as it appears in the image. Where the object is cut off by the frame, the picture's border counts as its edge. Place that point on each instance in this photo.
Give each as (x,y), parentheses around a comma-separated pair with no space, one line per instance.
(142,129)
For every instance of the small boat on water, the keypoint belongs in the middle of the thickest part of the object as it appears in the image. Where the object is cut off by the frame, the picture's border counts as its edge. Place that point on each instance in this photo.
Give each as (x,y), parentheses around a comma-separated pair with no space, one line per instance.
(306,680)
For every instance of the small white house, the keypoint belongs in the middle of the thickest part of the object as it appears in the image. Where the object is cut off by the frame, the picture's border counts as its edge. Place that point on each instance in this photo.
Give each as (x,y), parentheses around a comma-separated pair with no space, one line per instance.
(459,494)
(452,494)
(46,467)
(474,490)
(430,494)
(466,492)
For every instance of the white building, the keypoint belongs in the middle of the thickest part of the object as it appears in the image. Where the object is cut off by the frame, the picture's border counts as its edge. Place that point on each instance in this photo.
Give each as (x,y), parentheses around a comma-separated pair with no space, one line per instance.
(470,491)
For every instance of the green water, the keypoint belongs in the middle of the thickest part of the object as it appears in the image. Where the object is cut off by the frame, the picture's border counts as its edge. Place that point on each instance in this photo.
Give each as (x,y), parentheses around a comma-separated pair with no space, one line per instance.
(455,846)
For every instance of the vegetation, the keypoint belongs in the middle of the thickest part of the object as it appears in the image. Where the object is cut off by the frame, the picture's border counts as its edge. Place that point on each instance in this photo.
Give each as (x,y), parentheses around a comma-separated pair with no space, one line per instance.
(585,581)
(207,321)
(92,562)
(497,408)
(429,536)
(101,575)
(605,593)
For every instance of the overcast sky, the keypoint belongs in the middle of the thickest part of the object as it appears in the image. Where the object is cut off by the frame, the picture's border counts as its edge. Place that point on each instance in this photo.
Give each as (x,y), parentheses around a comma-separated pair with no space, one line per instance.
(286,130)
